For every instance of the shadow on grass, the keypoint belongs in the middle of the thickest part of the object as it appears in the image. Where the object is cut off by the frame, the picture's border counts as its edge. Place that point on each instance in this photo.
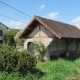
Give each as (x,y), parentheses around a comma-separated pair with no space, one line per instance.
(36,72)
(71,57)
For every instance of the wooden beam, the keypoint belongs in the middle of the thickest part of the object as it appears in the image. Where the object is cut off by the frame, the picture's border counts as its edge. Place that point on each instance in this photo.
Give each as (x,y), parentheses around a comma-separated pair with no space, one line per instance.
(66,45)
(41,37)
(67,53)
(34,27)
(29,28)
(70,41)
(77,46)
(39,31)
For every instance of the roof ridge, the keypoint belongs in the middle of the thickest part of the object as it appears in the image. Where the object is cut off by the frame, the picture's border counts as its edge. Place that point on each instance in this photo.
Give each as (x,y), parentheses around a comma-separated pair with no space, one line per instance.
(56,21)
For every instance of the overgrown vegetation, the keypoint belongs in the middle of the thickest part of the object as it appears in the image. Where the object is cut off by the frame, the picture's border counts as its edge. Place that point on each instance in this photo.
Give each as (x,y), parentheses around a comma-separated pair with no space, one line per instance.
(13,60)
(58,70)
(40,48)
(61,69)
(15,65)
(19,42)
(12,38)
(10,34)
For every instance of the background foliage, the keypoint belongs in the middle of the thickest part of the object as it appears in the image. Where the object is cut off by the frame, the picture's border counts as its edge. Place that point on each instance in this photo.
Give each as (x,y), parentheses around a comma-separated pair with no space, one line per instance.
(10,34)
(19,41)
(12,38)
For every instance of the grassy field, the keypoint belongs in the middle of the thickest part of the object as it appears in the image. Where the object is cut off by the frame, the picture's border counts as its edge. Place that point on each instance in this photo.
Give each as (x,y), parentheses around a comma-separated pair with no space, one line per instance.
(61,69)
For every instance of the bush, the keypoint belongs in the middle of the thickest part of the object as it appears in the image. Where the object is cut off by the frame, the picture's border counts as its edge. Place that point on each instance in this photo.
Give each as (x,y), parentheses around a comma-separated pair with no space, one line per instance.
(25,60)
(19,42)
(40,48)
(17,76)
(12,60)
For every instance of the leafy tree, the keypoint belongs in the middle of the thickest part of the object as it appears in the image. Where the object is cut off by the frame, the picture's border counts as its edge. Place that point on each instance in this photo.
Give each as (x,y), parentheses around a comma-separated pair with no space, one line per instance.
(10,34)
(19,41)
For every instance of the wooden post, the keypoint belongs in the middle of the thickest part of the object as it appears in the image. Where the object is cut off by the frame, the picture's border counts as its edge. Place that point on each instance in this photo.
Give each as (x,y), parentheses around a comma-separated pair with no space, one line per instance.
(49,51)
(77,46)
(66,45)
(67,53)
(39,31)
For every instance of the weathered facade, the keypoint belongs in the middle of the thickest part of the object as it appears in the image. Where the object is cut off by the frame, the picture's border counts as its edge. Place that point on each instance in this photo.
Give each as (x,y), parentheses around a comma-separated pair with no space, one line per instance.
(3,30)
(61,38)
(38,34)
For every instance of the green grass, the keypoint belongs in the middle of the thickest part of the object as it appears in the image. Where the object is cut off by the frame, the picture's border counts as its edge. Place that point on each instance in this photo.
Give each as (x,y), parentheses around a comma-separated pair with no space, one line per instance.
(58,70)
(62,69)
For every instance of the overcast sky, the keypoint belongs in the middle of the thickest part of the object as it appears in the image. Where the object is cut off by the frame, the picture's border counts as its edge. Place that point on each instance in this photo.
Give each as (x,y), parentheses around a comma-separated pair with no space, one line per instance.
(67,11)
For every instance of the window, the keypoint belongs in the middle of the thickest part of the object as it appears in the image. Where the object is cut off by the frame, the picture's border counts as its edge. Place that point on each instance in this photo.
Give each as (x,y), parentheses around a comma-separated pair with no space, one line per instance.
(0,32)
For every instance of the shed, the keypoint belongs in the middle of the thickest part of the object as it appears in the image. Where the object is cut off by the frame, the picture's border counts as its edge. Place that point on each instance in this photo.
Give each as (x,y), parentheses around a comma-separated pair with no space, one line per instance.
(62,38)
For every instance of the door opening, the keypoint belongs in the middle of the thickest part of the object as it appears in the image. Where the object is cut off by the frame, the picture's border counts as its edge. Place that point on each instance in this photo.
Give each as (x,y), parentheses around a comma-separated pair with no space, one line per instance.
(30,47)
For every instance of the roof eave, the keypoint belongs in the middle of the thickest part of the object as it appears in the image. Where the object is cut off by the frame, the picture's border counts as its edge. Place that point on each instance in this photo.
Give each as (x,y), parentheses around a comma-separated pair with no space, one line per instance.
(26,27)
(44,25)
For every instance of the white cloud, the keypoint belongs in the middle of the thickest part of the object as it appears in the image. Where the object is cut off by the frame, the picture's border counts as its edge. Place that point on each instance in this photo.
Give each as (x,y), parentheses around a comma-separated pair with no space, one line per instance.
(42,6)
(76,21)
(16,24)
(52,15)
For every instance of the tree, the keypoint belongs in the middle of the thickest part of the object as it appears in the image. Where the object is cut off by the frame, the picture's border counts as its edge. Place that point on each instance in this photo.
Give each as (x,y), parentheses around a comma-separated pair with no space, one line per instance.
(19,41)
(10,34)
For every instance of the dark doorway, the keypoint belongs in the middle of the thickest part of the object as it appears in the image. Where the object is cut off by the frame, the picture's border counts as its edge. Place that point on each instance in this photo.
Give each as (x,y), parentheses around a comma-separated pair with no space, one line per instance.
(30,47)
(1,41)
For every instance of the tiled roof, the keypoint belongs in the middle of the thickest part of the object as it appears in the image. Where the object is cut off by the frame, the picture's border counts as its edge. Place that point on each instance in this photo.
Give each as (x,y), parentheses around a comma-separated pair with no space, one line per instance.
(59,29)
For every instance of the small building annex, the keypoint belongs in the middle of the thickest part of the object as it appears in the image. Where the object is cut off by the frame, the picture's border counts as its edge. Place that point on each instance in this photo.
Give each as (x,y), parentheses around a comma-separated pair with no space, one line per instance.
(62,38)
(3,29)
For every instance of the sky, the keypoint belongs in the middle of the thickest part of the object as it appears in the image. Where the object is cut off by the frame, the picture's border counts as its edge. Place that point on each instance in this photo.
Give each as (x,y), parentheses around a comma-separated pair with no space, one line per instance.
(67,11)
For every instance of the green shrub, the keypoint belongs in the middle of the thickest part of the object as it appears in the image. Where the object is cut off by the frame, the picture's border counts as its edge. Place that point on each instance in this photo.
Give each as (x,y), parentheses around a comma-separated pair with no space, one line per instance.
(40,48)
(17,76)
(19,42)
(25,60)
(13,60)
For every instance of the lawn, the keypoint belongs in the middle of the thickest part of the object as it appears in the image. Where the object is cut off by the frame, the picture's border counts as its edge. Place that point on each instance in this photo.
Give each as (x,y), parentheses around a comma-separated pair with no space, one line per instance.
(61,69)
